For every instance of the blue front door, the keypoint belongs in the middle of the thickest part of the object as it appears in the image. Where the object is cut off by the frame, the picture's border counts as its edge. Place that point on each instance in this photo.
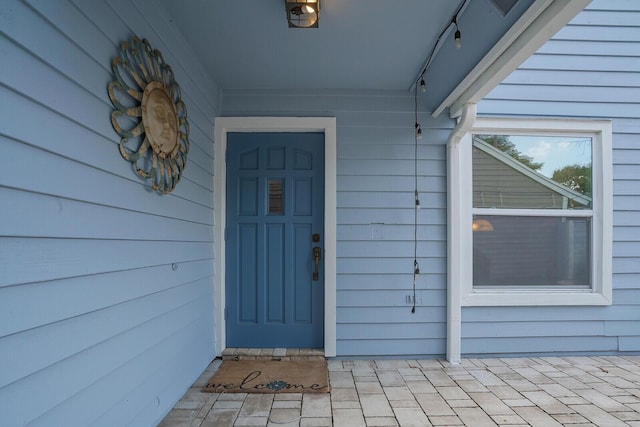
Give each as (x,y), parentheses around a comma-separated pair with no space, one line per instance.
(274,248)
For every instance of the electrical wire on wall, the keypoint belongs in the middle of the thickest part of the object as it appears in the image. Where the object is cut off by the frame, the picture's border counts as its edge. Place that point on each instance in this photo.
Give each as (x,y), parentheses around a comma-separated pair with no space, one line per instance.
(417,135)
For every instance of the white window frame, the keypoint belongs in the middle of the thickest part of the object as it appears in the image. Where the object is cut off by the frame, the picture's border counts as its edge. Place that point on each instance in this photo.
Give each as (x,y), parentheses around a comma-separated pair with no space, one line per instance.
(601,292)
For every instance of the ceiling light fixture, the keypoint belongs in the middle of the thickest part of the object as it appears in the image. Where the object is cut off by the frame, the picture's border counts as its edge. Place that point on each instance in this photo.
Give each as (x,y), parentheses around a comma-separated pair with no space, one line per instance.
(302,13)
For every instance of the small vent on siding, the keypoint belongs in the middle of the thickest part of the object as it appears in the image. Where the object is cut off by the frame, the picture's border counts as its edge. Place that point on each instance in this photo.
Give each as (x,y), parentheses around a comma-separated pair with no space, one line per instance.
(504,6)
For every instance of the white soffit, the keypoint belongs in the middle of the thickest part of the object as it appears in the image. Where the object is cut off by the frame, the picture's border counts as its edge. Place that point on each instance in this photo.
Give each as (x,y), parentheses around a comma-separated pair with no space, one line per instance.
(536,26)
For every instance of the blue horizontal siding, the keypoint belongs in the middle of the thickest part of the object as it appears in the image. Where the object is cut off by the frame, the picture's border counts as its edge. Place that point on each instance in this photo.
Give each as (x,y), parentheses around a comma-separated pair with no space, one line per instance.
(99,187)
(628,281)
(624,187)
(391,215)
(173,361)
(382,200)
(373,282)
(46,304)
(550,314)
(600,32)
(78,142)
(541,346)
(584,62)
(613,95)
(91,369)
(394,232)
(394,249)
(622,328)
(386,265)
(626,157)
(390,183)
(618,14)
(588,70)
(389,167)
(399,149)
(40,259)
(628,296)
(366,315)
(545,108)
(539,329)
(391,298)
(41,211)
(391,331)
(106,301)
(631,344)
(392,347)
(569,78)
(604,48)
(627,203)
(625,141)
(625,249)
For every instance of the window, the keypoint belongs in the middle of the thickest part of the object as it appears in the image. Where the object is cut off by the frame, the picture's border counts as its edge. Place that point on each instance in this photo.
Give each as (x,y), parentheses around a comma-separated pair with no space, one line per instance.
(536,225)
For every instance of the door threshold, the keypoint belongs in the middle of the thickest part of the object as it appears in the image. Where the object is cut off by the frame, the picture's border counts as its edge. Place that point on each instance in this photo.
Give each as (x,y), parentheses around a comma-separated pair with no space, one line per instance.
(273,354)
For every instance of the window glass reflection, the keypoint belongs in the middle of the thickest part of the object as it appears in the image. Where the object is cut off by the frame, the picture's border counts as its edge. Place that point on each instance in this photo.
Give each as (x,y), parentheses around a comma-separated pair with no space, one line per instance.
(532,172)
(525,251)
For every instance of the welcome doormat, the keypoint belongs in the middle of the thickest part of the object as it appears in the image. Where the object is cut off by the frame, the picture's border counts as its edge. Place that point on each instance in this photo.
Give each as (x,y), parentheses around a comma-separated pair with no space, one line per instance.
(270,376)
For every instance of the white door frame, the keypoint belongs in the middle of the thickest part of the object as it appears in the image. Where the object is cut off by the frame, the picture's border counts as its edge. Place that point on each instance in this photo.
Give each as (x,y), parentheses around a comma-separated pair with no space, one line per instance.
(225,125)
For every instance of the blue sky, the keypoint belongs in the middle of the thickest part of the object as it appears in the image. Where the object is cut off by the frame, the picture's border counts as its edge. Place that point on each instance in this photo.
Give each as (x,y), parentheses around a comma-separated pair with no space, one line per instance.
(555,152)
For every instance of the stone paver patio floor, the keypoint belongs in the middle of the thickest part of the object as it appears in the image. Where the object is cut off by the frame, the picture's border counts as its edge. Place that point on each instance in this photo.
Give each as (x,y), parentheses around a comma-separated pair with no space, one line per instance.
(547,392)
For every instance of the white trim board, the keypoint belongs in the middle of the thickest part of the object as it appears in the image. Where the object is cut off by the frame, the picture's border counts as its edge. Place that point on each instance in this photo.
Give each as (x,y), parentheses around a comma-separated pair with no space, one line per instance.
(327,125)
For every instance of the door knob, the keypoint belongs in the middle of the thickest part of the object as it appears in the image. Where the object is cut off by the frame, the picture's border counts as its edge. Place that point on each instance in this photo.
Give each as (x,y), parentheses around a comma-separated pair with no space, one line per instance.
(315,255)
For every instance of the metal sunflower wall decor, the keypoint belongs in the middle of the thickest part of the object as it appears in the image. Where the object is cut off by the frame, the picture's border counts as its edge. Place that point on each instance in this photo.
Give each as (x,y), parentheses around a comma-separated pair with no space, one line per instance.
(149,114)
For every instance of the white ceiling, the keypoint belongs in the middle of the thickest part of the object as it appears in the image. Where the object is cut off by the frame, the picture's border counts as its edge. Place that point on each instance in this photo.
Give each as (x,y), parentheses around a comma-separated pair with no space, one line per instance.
(360,44)
(377,45)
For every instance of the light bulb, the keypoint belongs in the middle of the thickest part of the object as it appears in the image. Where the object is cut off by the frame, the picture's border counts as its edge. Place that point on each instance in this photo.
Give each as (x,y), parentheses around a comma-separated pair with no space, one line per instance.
(423,86)
(310,7)
(458,39)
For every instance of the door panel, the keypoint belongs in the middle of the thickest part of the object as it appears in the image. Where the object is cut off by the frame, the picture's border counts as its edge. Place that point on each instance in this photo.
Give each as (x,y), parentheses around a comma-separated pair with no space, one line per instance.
(275,204)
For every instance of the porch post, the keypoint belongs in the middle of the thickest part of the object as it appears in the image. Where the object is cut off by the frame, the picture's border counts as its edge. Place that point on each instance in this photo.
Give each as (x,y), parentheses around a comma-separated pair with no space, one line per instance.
(456,220)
